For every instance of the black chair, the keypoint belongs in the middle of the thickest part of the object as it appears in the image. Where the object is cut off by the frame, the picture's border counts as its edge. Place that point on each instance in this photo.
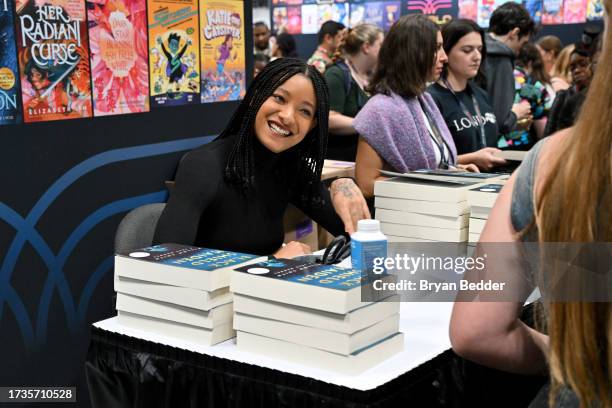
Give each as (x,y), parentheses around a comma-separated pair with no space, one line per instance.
(137,228)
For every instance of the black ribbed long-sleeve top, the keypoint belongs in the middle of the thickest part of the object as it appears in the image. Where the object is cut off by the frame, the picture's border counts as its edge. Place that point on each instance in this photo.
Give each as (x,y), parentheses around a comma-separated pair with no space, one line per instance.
(204,210)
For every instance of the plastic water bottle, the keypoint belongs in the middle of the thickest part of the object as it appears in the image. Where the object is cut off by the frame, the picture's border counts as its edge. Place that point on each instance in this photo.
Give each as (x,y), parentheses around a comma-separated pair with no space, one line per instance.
(368,244)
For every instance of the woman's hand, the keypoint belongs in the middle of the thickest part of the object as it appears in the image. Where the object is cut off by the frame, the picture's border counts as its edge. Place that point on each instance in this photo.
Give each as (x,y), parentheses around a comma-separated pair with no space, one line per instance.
(472,168)
(292,249)
(349,203)
(485,158)
(522,110)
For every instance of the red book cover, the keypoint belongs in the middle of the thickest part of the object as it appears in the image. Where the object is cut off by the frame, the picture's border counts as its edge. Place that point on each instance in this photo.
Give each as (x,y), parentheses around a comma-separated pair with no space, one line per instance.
(294,20)
(53,59)
(119,56)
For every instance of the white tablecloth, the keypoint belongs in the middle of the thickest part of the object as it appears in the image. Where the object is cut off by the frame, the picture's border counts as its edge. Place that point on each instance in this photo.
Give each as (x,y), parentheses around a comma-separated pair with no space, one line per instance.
(425,327)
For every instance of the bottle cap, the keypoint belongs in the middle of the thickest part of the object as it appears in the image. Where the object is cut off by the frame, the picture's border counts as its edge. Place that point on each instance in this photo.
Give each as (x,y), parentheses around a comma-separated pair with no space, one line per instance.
(368,226)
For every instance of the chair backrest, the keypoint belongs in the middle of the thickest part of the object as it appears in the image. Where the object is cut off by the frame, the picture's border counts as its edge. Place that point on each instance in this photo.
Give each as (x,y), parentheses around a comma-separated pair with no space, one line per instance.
(137,228)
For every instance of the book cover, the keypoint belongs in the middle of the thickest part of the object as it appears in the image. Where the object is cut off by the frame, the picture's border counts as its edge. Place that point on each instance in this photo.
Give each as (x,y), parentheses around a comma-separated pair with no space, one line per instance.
(446,176)
(534,7)
(174,46)
(279,19)
(10,109)
(310,22)
(340,13)
(289,270)
(325,12)
(488,188)
(294,20)
(595,10)
(223,51)
(374,14)
(357,14)
(53,60)
(185,256)
(119,56)
(392,10)
(574,11)
(485,9)
(552,12)
(468,9)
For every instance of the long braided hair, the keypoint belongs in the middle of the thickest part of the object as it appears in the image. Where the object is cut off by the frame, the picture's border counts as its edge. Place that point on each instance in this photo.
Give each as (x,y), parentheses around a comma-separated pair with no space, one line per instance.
(309,153)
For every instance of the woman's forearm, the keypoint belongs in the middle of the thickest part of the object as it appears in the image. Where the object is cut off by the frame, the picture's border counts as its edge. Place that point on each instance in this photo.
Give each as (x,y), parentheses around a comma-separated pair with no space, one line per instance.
(340,124)
(519,350)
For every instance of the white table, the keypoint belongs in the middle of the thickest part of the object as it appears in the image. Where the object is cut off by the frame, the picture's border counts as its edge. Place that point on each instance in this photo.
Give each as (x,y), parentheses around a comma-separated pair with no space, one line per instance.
(425,327)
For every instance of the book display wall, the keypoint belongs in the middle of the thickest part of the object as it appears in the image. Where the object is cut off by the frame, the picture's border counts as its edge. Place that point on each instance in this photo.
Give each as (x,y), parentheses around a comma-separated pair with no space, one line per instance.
(306,16)
(70,59)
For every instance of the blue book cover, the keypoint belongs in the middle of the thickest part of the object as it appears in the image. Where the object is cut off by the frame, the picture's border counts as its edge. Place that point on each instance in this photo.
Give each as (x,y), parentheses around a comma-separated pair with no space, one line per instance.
(489,188)
(10,109)
(190,257)
(289,270)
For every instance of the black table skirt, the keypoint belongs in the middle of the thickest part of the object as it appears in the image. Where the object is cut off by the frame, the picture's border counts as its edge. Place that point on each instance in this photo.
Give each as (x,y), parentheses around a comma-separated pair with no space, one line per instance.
(126,372)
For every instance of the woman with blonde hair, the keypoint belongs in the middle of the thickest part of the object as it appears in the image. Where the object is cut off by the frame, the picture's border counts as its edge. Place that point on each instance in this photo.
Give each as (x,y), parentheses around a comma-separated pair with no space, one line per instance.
(347,80)
(560,76)
(561,194)
(549,47)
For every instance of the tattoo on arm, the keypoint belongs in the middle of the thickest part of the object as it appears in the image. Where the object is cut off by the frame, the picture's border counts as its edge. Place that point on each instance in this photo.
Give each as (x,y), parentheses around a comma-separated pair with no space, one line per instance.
(342,186)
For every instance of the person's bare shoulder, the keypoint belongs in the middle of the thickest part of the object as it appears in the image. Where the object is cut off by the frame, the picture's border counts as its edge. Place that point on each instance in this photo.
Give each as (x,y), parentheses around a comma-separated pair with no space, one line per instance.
(552,149)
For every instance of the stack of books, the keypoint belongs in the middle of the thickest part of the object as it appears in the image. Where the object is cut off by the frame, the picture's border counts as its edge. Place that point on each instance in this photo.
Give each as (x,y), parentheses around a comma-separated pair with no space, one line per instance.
(417,210)
(313,315)
(481,200)
(178,291)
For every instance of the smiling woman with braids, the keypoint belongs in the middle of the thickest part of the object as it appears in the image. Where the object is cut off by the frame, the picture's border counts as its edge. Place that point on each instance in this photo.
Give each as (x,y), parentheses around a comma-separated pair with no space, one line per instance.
(232,193)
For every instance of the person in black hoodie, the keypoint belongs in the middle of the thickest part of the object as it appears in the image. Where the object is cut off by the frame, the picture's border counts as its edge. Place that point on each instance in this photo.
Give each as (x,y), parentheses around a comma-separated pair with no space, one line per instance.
(510,28)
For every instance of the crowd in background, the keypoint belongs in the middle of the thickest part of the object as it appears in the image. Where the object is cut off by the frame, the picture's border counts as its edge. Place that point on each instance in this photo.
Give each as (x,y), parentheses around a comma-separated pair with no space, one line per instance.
(518,88)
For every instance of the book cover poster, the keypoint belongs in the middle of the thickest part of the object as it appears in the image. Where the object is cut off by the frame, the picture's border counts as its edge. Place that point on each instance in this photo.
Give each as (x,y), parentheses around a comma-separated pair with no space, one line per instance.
(391,14)
(223,52)
(174,45)
(552,12)
(374,14)
(10,109)
(340,13)
(119,56)
(574,11)
(534,7)
(468,9)
(357,14)
(53,60)
(595,10)
(485,9)
(279,19)
(310,22)
(325,12)
(294,20)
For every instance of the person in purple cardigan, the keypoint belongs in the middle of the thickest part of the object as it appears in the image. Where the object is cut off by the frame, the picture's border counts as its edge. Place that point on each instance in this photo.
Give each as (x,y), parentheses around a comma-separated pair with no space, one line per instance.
(401,128)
